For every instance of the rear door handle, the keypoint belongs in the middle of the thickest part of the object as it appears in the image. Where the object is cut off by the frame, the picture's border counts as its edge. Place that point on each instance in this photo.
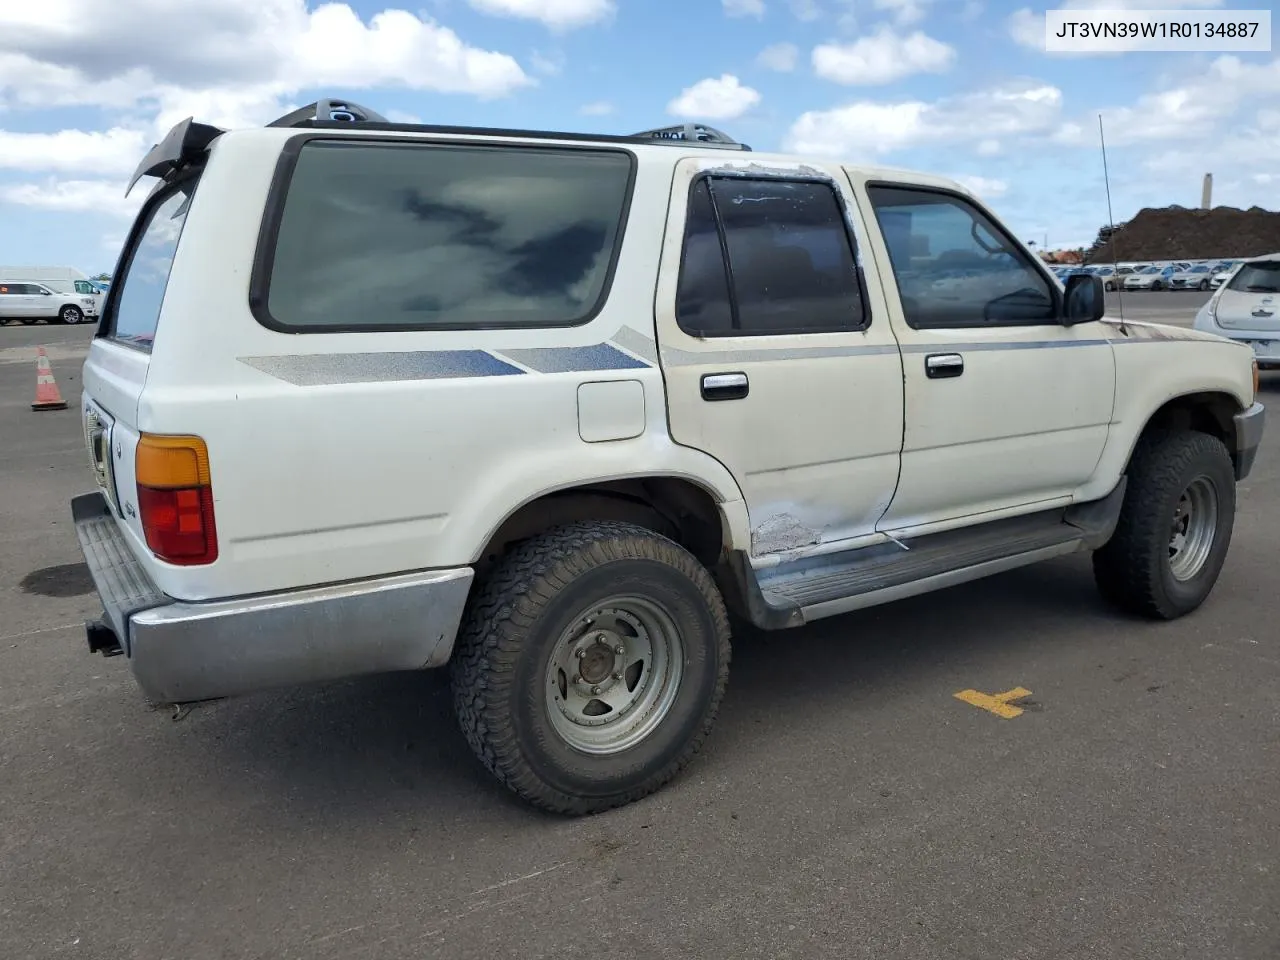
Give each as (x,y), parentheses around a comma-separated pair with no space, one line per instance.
(937,366)
(725,386)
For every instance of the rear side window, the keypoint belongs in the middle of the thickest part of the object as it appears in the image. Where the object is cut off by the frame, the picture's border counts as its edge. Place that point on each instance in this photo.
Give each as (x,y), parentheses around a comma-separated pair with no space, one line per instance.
(409,236)
(1261,276)
(134,310)
(791,266)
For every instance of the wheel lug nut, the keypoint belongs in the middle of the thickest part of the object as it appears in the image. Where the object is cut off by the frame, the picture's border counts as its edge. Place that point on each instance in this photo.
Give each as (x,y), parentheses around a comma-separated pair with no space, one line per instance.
(617,676)
(619,649)
(595,689)
(580,654)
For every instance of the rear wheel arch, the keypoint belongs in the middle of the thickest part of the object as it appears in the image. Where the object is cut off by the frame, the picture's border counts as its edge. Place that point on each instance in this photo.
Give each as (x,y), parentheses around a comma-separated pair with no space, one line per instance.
(675,507)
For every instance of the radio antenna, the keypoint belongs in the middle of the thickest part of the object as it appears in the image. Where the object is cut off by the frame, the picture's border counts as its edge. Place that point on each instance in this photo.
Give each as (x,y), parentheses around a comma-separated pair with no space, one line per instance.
(1111,222)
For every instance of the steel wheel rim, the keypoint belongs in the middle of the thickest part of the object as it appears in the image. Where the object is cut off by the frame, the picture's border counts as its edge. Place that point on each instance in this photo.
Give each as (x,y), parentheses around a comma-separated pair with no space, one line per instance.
(623,653)
(1194,528)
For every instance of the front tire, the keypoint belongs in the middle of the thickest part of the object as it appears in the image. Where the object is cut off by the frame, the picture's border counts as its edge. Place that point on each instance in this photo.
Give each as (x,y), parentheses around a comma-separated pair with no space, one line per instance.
(591,666)
(70,315)
(1175,526)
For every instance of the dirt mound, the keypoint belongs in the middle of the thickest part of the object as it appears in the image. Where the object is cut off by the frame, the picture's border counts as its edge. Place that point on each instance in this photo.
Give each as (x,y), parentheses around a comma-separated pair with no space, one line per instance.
(1177,233)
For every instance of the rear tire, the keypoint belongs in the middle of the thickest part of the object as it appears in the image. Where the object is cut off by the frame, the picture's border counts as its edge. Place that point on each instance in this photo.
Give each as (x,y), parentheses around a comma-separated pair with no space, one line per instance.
(591,666)
(1175,526)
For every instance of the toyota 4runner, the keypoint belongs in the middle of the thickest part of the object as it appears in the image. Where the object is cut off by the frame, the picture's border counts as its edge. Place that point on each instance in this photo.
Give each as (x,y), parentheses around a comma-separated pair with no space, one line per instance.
(548,408)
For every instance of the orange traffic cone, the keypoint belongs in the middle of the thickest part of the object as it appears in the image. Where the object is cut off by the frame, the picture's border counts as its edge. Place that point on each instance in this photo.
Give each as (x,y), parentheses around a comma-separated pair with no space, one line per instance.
(47,395)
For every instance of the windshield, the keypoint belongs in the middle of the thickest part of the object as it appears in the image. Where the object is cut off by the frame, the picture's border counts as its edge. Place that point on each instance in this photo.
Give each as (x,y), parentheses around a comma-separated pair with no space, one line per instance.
(1200,269)
(134,311)
(1262,276)
(1147,271)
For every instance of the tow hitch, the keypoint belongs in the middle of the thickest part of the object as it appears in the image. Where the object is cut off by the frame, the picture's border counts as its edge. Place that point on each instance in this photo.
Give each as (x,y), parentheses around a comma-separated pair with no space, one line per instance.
(102,639)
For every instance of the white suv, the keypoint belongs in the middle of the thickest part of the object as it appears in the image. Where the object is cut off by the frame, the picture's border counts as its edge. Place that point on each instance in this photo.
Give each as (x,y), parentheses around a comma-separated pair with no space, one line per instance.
(29,302)
(548,407)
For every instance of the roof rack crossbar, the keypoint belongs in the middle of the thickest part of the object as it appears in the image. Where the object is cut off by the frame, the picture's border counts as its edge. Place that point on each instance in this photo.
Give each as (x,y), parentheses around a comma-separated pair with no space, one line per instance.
(328,110)
(691,133)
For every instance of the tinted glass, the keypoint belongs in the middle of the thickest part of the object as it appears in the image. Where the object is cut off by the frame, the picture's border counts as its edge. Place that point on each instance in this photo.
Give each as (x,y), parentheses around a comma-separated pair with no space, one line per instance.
(135,311)
(953,267)
(702,301)
(1263,276)
(789,256)
(417,235)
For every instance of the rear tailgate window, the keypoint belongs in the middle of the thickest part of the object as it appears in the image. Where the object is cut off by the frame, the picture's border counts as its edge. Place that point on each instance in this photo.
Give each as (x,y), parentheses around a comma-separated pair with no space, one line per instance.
(133,307)
(1261,276)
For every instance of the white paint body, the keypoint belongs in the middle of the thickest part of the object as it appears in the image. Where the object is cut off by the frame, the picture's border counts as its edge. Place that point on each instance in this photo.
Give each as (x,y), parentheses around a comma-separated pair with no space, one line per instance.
(842,441)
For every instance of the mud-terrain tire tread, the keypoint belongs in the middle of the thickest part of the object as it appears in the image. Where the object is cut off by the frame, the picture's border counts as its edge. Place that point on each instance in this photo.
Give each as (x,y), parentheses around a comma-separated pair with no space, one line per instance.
(1130,569)
(506,608)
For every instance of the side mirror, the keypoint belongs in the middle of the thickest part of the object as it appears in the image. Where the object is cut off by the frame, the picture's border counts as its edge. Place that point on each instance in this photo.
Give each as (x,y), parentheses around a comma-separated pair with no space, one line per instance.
(1085,299)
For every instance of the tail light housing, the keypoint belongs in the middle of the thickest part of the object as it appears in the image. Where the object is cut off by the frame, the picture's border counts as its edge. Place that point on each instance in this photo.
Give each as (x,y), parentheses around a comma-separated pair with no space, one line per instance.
(175,499)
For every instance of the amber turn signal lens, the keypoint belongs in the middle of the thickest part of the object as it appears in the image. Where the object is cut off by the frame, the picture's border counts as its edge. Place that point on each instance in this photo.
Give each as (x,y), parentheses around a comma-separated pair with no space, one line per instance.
(175,499)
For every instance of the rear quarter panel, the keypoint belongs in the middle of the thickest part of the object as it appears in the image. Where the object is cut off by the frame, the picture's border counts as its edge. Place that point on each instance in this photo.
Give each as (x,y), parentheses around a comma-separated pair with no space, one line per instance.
(340,456)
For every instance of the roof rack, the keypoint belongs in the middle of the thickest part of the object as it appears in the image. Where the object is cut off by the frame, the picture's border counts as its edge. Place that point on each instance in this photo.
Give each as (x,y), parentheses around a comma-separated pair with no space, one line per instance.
(342,112)
(329,111)
(691,132)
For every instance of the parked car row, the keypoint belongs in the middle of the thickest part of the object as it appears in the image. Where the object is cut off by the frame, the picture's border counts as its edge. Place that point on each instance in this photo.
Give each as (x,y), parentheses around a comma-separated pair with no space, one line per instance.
(1157,275)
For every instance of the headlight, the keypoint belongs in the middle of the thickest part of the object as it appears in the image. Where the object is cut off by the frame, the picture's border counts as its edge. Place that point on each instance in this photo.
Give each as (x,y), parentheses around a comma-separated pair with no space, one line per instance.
(87,301)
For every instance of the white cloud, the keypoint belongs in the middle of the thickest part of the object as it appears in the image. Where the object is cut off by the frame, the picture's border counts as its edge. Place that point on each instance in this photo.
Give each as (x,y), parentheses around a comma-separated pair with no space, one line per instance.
(904,11)
(250,52)
(806,11)
(599,108)
(715,98)
(1185,112)
(987,148)
(872,128)
(550,64)
(75,196)
(743,8)
(882,57)
(1026,26)
(556,14)
(984,187)
(115,151)
(780,57)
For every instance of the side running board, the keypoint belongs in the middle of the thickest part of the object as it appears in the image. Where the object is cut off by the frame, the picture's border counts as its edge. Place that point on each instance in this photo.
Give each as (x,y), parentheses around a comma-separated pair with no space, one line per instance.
(811,589)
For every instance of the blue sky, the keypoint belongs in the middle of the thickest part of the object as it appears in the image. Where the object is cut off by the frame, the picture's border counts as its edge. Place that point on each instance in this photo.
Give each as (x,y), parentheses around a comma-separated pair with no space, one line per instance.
(962,88)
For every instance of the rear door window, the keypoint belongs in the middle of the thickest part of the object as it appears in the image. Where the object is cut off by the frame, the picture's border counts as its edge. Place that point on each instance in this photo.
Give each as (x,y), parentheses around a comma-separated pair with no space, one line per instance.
(431,236)
(134,310)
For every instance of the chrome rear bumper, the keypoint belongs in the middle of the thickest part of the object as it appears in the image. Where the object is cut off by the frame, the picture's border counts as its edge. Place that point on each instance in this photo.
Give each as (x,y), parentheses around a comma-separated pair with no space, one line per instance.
(181,651)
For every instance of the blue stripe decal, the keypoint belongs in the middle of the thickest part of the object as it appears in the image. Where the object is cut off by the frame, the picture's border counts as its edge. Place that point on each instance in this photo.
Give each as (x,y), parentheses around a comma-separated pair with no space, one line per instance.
(597,356)
(314,370)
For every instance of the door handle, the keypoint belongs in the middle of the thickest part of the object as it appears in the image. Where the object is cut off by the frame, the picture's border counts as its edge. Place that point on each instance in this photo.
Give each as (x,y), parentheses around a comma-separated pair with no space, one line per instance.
(940,365)
(725,386)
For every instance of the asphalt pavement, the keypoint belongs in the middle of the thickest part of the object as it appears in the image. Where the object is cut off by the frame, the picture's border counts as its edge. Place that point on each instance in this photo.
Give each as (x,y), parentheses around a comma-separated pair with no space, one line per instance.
(847,804)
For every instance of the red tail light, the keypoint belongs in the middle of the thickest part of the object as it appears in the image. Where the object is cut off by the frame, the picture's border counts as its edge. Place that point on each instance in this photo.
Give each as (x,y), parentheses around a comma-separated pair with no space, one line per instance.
(175,499)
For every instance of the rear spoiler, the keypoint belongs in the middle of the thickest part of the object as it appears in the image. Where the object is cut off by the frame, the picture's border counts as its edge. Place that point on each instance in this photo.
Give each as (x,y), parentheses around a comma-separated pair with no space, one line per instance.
(183,144)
